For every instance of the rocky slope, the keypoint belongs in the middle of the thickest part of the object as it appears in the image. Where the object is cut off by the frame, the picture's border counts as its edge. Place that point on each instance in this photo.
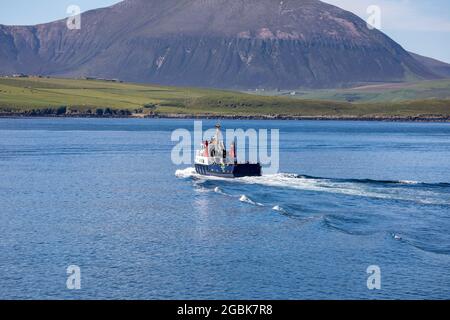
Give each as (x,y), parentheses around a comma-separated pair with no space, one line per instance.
(213,43)
(438,67)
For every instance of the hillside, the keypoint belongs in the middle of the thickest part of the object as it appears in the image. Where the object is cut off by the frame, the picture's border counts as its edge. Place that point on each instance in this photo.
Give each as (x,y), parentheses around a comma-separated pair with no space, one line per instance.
(65,97)
(216,43)
(438,67)
(385,92)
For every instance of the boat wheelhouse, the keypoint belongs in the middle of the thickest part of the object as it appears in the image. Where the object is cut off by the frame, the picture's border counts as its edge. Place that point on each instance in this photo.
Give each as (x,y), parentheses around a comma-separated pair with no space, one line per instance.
(213,159)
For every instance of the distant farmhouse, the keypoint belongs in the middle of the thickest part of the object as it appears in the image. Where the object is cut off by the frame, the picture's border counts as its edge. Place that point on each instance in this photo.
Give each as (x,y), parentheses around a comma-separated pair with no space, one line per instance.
(19,75)
(103,79)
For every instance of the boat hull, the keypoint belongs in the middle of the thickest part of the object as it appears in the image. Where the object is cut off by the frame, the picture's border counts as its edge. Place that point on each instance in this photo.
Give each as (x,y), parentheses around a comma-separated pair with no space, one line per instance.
(229,171)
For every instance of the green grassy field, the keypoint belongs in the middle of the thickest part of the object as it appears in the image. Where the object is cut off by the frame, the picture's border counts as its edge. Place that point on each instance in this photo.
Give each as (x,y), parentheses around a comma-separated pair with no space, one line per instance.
(387,92)
(47,96)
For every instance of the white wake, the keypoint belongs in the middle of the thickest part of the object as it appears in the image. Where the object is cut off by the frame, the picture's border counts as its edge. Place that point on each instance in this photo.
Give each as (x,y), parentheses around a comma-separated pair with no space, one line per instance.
(352,188)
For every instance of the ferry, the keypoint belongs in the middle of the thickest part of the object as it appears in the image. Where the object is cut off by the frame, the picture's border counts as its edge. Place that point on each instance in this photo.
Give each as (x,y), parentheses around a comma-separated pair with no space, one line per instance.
(214,160)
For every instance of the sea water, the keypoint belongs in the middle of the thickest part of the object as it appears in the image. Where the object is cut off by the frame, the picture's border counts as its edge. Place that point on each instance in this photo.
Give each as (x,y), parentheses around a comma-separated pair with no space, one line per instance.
(104,195)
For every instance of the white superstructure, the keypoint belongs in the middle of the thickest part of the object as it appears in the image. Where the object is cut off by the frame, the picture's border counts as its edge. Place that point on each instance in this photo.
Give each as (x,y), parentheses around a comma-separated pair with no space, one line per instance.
(214,151)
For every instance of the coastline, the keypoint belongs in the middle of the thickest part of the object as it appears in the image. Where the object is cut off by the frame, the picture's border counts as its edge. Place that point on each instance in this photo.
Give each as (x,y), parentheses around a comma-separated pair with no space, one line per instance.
(21,98)
(381,118)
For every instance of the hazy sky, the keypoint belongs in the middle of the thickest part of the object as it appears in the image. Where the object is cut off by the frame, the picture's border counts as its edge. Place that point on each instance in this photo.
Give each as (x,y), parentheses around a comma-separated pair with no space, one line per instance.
(419,26)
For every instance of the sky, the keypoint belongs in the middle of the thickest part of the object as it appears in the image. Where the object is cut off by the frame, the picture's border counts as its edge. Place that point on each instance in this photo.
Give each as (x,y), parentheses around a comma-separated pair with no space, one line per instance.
(421,26)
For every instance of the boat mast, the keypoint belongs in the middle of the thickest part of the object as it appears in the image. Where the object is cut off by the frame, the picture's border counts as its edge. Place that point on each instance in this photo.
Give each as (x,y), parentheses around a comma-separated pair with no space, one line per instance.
(219,147)
(218,133)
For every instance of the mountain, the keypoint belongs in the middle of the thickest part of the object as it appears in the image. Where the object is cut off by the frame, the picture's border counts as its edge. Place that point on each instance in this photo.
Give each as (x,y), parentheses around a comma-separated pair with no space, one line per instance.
(438,67)
(213,43)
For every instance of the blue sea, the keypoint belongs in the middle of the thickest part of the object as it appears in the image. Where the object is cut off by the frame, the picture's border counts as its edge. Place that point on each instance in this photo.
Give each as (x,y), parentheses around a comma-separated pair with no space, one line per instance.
(104,195)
